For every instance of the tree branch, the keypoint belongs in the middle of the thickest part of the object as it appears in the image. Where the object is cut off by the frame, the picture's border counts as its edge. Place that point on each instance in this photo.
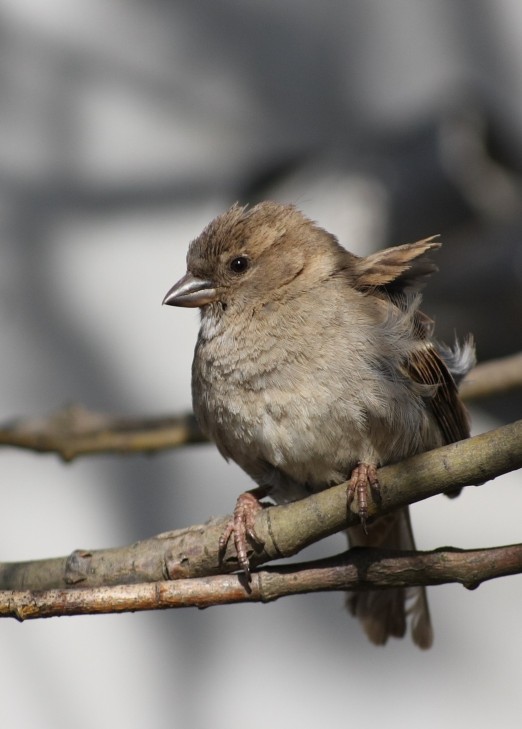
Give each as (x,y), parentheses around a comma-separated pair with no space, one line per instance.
(493,378)
(285,530)
(381,569)
(75,431)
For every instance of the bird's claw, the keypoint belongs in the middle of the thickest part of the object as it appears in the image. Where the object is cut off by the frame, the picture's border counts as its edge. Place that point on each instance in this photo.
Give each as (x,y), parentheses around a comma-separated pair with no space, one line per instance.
(363,478)
(241,527)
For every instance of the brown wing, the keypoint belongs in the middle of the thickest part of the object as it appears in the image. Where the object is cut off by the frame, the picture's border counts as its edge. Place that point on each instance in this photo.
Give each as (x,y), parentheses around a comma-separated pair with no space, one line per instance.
(395,274)
(426,366)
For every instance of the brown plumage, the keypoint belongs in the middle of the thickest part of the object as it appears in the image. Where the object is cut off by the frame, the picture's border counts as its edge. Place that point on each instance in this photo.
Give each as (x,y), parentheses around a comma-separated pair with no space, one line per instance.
(314,366)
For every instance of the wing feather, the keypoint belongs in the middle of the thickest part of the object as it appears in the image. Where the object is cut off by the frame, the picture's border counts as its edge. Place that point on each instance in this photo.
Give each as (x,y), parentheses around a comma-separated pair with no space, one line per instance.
(426,366)
(395,275)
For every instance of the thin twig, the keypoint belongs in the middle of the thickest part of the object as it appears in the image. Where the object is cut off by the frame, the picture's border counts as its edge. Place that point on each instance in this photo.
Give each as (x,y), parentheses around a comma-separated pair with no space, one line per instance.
(381,569)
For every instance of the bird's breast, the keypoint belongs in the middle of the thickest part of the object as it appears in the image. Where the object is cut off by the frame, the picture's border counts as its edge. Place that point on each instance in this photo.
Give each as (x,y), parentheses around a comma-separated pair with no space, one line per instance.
(307,408)
(277,416)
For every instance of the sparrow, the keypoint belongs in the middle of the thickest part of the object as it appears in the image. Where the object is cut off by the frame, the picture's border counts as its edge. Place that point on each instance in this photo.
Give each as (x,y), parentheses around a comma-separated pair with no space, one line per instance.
(314,366)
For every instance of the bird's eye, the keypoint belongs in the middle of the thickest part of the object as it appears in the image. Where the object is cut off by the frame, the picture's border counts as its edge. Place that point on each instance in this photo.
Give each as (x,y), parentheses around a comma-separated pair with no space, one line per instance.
(239,264)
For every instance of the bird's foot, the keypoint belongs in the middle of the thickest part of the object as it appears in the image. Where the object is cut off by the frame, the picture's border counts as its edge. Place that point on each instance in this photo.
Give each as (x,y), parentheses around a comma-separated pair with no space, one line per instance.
(241,527)
(363,479)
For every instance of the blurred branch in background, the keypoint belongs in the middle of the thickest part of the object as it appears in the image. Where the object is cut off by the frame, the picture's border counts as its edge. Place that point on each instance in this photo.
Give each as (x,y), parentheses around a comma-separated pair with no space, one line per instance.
(492,378)
(76,431)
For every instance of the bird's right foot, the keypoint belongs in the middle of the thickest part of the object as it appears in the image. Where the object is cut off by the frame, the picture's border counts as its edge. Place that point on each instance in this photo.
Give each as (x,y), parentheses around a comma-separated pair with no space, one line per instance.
(241,527)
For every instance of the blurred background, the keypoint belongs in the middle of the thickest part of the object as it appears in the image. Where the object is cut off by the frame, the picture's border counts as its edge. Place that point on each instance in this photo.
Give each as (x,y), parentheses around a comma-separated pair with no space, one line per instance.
(124,128)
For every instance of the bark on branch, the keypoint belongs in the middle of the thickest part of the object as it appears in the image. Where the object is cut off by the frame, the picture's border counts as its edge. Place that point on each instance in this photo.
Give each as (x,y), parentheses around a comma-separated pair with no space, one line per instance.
(285,530)
(381,569)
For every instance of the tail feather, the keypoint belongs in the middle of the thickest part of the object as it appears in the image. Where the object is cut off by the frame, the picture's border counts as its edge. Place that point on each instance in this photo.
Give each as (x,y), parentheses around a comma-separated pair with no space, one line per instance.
(386,613)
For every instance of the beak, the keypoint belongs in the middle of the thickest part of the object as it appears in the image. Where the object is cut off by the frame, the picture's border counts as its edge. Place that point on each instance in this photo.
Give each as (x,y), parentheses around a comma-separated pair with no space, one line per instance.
(190,291)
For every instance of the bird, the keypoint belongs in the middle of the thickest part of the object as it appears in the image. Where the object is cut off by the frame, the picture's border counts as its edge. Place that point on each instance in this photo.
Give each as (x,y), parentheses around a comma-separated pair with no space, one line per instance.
(314,366)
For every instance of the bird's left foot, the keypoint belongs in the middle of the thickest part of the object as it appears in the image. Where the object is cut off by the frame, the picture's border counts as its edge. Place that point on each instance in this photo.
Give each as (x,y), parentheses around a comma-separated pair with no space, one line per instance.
(363,479)
(241,527)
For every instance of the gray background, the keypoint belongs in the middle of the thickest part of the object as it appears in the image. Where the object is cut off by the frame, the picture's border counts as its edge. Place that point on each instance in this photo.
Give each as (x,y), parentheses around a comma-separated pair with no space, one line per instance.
(124,128)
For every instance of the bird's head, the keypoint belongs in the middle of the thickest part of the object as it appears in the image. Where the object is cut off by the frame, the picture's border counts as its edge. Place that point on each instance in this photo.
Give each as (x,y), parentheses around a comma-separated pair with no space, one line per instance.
(250,257)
